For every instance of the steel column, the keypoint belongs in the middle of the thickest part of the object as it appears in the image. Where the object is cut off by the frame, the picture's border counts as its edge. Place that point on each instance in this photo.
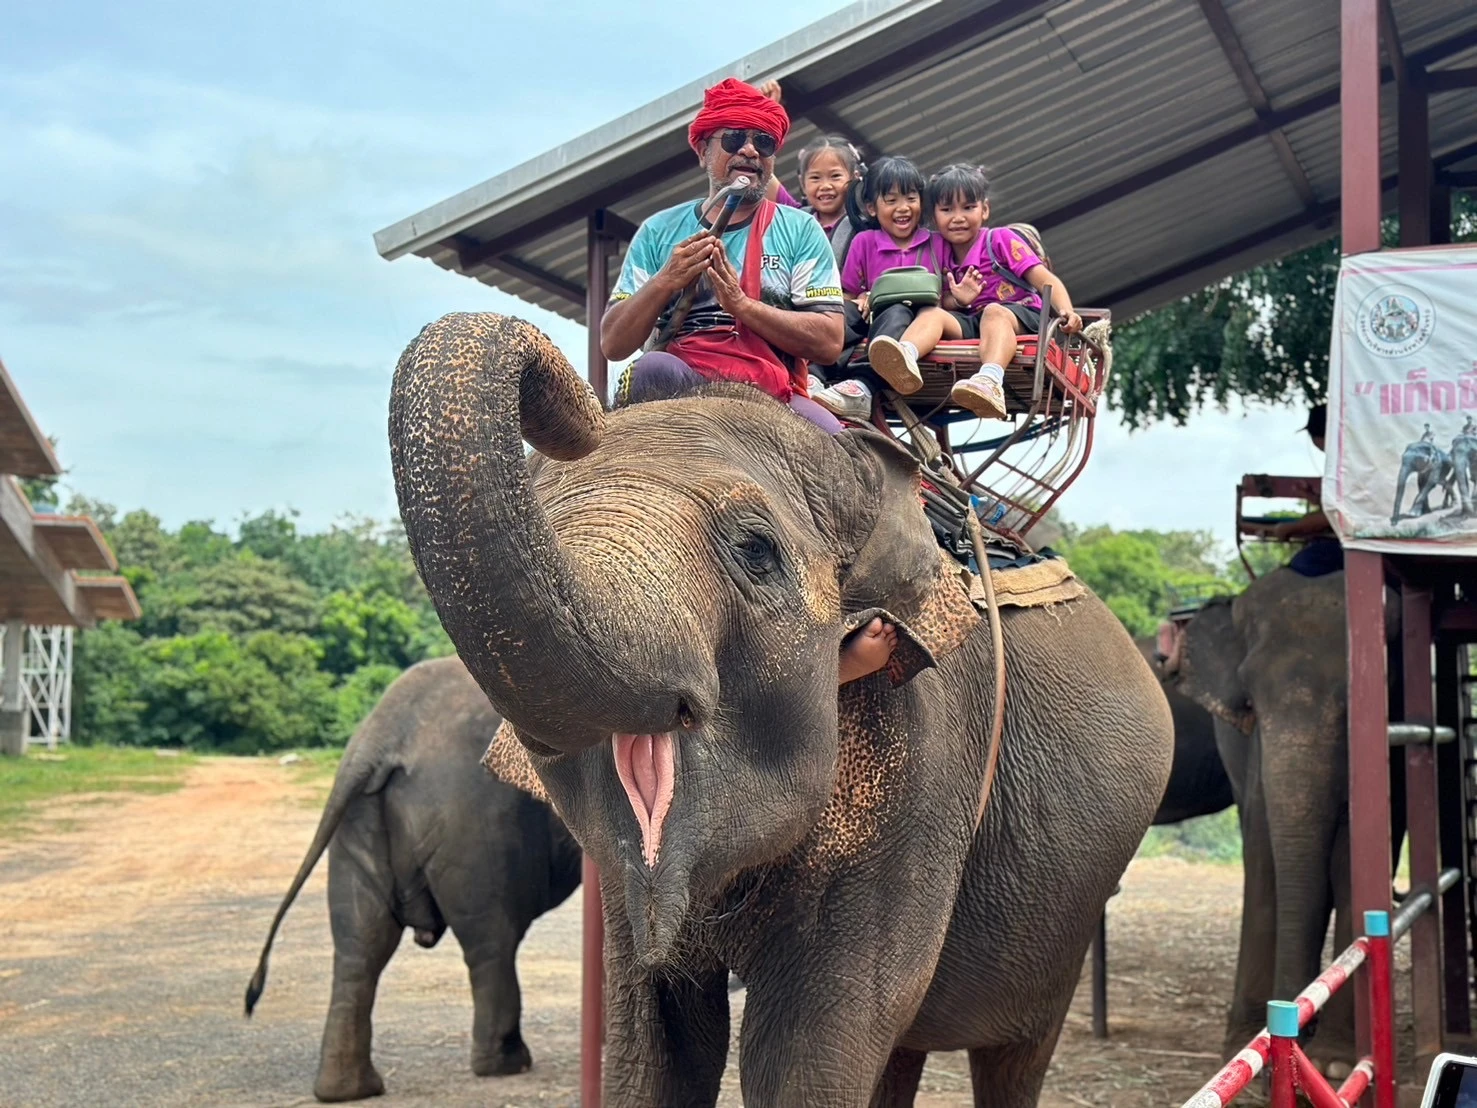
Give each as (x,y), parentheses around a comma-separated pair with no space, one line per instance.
(592,989)
(13,716)
(1359,100)
(599,248)
(598,251)
(1452,822)
(1423,833)
(1369,750)
(1416,171)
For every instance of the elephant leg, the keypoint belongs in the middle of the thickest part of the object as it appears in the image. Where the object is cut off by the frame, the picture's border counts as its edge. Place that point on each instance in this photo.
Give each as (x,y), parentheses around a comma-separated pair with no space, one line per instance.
(1425,485)
(1011,1077)
(1256,957)
(899,1084)
(491,955)
(365,935)
(1332,1046)
(666,1032)
(1400,484)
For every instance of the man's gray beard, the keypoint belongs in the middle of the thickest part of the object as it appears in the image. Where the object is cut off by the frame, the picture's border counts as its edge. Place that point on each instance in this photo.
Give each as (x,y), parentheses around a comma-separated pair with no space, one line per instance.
(751,195)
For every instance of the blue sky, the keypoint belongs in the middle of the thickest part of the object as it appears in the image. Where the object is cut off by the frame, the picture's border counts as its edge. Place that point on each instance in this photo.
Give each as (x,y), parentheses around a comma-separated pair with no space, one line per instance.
(189,294)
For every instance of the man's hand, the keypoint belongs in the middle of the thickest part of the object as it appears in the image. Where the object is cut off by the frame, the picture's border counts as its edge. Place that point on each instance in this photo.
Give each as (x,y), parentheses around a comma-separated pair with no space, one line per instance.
(689,261)
(725,281)
(770,90)
(966,291)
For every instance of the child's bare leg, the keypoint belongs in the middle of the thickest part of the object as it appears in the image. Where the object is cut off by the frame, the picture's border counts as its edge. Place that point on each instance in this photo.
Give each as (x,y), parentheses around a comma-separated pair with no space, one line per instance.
(896,360)
(867,650)
(984,393)
(998,330)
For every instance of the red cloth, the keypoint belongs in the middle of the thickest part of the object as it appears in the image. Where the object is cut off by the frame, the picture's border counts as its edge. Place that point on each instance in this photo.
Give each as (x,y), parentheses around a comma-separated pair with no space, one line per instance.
(736,353)
(732,103)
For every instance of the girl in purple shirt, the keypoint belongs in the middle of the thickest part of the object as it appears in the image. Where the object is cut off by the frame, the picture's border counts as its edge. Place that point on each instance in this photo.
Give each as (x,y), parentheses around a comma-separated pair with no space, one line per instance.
(992,282)
(891,195)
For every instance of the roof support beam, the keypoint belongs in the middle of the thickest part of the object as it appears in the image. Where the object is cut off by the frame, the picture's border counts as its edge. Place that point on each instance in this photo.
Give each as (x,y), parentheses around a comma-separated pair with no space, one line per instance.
(1390,40)
(514,266)
(1212,148)
(1168,277)
(1261,104)
(1449,80)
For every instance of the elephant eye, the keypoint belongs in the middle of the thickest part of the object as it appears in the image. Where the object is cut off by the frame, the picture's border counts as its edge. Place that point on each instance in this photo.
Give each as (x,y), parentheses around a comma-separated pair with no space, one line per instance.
(758,554)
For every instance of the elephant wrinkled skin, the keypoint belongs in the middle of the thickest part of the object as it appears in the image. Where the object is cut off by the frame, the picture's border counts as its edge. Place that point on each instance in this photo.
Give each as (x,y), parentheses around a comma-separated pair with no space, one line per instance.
(419,836)
(668,586)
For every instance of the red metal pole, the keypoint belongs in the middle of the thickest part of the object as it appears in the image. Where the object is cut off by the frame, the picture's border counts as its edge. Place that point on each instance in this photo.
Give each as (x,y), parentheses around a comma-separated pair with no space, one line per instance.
(1369,751)
(1421,807)
(592,990)
(1282,1023)
(1359,68)
(1377,930)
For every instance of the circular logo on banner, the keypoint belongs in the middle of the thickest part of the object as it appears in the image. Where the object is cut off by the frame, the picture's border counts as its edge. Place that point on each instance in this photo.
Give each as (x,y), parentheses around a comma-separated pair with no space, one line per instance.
(1395,320)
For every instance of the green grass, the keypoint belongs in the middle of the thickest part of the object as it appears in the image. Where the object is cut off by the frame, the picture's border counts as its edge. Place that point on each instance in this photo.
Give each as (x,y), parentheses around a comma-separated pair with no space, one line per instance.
(1214,838)
(314,768)
(31,781)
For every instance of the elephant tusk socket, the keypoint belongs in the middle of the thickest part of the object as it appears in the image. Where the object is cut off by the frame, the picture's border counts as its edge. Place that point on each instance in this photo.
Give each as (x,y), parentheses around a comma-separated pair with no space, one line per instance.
(647,768)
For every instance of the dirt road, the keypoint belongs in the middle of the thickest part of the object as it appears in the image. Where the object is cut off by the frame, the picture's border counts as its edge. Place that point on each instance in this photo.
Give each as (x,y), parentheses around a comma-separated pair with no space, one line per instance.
(126,942)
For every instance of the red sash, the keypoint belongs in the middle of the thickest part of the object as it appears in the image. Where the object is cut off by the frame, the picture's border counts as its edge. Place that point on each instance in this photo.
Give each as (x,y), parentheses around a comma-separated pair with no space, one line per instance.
(737,353)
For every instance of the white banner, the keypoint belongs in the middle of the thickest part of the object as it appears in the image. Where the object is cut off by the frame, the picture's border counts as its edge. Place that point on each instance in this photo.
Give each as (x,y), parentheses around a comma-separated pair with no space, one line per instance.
(1401,469)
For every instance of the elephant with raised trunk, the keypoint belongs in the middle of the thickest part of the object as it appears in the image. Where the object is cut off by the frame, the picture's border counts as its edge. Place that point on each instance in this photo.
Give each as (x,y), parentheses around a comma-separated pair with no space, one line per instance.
(655,600)
(418,835)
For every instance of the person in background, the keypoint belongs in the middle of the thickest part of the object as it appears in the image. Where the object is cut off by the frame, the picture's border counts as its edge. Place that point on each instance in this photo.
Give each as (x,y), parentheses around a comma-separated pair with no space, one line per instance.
(1323,553)
(889,206)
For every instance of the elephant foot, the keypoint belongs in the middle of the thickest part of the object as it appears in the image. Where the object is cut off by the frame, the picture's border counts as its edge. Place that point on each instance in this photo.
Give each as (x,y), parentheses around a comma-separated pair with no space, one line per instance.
(333,1088)
(511,1057)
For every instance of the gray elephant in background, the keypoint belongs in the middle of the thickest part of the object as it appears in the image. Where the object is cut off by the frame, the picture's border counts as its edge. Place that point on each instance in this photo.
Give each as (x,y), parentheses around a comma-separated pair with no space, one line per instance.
(1198,784)
(1464,465)
(1432,468)
(657,600)
(1271,666)
(419,835)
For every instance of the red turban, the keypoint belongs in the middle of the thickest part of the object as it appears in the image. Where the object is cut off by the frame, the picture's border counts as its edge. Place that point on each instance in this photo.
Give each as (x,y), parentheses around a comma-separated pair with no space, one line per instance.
(732,103)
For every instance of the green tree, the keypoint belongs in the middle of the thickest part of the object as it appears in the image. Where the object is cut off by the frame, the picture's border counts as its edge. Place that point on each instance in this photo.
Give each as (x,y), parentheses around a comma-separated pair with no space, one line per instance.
(1258,335)
(361,627)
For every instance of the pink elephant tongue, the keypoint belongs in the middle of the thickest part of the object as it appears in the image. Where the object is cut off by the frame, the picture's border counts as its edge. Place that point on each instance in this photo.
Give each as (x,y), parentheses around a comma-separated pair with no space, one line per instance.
(647,769)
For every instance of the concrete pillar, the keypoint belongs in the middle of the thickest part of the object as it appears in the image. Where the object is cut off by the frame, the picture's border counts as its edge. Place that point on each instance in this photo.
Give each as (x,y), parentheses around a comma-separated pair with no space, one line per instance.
(12,713)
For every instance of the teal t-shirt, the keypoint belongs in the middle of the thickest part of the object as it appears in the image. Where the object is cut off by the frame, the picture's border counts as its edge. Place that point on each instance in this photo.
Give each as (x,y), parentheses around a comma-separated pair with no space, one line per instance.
(799,270)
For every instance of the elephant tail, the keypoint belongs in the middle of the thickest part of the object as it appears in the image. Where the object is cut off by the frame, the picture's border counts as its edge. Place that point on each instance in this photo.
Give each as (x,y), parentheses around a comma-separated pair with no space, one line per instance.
(361,772)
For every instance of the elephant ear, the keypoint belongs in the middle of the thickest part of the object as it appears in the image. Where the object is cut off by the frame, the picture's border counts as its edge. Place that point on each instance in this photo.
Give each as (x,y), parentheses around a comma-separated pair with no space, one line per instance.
(896,569)
(507,760)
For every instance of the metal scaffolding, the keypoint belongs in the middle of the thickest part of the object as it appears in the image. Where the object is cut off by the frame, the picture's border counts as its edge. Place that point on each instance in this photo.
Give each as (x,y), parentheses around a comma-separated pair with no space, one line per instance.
(45,682)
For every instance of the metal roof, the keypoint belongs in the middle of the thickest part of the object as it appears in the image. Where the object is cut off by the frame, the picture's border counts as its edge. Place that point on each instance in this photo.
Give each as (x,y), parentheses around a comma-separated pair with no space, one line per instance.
(1158,144)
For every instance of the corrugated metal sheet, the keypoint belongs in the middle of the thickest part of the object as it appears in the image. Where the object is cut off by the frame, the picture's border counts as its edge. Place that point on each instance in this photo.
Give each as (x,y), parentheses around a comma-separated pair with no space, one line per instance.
(1061,100)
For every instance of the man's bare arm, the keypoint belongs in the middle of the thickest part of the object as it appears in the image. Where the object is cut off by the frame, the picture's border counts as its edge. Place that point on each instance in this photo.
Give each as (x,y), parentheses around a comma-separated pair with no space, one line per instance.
(626,324)
(815,336)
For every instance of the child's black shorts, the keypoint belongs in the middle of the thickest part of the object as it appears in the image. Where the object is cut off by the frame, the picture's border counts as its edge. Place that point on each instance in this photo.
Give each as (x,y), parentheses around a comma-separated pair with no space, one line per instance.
(1028,320)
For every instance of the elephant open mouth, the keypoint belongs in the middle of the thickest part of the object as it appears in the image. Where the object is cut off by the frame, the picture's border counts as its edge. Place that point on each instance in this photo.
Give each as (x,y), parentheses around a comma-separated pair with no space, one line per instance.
(646,765)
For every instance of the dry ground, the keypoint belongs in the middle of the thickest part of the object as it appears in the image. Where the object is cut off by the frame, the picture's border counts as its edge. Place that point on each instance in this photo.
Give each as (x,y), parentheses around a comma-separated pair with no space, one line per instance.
(126,940)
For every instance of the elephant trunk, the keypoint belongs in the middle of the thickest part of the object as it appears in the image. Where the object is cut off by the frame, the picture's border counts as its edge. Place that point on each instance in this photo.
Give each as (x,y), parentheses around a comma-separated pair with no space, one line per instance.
(529,620)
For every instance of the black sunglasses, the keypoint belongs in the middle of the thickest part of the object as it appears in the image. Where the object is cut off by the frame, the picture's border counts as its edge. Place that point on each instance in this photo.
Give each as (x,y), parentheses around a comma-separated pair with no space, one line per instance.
(765,144)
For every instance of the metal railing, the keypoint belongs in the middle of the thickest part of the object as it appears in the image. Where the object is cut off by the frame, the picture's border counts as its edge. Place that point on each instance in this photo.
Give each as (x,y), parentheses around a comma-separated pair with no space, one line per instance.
(1277,1045)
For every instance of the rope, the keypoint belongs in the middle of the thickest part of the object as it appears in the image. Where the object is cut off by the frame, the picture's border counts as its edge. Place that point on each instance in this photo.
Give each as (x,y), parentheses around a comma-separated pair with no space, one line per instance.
(997,644)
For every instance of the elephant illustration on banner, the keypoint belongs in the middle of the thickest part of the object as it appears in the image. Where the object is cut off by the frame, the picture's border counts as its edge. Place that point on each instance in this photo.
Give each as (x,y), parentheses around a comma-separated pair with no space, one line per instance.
(1432,468)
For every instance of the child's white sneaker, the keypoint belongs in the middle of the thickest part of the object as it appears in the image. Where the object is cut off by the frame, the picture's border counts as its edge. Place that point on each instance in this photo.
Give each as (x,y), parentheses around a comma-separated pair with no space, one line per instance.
(982,394)
(848,399)
(816,386)
(895,363)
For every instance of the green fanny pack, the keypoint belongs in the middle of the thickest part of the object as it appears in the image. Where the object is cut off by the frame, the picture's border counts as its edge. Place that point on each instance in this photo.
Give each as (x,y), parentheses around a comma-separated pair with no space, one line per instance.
(913,285)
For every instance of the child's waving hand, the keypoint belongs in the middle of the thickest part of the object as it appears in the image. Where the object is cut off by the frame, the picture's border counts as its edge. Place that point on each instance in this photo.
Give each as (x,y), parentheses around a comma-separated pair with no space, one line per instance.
(964,292)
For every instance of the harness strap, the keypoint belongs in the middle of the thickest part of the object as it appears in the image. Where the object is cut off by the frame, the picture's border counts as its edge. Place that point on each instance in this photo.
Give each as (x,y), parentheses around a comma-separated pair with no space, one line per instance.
(997,645)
